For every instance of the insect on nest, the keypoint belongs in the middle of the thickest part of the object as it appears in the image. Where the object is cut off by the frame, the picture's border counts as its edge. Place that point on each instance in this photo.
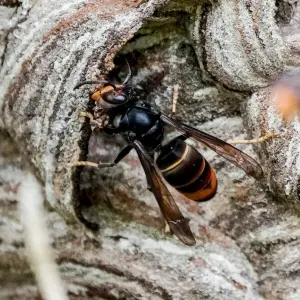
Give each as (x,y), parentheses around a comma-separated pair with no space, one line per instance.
(180,164)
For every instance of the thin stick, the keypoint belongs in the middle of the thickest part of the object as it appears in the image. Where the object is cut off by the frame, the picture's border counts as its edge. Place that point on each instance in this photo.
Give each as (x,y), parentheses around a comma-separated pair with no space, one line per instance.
(37,240)
(175,98)
(267,136)
(83,164)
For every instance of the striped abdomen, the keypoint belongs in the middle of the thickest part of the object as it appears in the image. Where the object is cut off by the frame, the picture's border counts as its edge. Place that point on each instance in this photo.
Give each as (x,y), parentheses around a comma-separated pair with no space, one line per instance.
(186,169)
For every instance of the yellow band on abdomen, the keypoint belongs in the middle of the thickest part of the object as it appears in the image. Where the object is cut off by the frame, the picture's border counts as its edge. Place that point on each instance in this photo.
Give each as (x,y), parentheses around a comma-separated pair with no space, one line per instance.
(176,163)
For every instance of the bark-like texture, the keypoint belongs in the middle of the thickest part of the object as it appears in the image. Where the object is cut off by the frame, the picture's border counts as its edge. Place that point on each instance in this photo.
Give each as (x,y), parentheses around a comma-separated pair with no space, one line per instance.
(218,52)
(282,157)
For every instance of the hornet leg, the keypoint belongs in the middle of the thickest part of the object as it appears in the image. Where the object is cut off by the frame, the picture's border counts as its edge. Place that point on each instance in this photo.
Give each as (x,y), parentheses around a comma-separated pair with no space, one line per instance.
(119,157)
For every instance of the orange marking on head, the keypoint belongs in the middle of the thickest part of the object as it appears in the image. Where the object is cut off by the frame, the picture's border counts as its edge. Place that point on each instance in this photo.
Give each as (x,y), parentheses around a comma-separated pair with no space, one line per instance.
(107,89)
(96,96)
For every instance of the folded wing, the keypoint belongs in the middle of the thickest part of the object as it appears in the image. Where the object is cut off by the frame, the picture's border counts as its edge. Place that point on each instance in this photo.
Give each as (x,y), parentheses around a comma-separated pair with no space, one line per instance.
(232,154)
(178,224)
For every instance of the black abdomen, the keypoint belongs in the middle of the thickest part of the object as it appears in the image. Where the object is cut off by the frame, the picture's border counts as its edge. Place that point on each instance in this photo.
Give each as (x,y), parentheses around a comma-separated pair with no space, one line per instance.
(186,169)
